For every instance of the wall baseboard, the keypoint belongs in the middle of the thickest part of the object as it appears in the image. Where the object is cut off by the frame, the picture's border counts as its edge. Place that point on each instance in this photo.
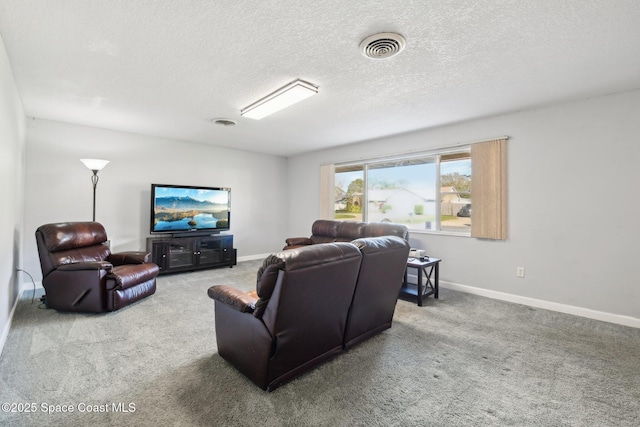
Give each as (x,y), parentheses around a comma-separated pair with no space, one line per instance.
(29,287)
(253,257)
(25,287)
(7,326)
(547,305)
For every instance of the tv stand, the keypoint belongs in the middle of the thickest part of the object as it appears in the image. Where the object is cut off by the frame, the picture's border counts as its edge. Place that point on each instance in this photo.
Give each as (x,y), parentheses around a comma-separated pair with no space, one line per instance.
(192,252)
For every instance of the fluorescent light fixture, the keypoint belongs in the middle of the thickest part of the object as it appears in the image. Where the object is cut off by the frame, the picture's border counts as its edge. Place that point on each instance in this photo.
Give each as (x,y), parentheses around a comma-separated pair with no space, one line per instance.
(94,164)
(287,95)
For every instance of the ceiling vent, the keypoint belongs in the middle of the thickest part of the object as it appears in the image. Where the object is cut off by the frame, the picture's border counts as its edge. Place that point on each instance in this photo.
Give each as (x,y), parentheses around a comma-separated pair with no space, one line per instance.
(382,45)
(224,122)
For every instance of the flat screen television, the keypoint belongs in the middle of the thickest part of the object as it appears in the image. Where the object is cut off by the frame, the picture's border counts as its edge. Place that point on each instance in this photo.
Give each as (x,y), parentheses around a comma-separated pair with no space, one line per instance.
(182,209)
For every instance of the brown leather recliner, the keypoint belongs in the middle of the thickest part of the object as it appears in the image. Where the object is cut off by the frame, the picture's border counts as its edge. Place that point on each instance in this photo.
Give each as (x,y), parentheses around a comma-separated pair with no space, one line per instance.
(299,319)
(313,303)
(327,231)
(79,272)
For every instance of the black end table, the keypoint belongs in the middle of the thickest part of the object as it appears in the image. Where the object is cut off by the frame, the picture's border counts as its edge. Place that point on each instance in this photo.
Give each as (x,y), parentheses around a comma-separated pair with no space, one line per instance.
(427,269)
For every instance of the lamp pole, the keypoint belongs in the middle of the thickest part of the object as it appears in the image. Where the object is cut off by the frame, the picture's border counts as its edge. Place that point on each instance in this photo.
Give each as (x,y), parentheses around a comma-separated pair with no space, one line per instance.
(94,165)
(94,181)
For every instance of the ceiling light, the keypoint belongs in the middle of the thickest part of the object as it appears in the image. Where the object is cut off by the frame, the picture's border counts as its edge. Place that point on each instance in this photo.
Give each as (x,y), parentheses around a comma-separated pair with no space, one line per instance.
(287,95)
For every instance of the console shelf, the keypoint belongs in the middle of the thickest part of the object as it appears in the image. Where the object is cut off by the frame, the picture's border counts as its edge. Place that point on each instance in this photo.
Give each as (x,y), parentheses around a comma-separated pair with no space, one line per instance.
(175,254)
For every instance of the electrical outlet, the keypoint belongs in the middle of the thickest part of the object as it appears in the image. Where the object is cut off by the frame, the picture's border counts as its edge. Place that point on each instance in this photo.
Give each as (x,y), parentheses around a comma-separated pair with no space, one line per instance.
(520,272)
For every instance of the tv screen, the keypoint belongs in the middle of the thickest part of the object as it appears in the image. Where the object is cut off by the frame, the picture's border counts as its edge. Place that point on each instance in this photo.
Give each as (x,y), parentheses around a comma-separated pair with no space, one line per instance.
(181,209)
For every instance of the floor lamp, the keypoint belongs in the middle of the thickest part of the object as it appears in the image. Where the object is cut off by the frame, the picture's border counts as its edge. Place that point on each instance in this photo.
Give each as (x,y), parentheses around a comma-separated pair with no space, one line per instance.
(94,165)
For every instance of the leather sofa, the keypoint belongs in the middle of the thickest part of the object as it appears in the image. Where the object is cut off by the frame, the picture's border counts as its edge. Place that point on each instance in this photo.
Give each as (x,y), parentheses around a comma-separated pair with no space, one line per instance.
(79,272)
(327,231)
(312,304)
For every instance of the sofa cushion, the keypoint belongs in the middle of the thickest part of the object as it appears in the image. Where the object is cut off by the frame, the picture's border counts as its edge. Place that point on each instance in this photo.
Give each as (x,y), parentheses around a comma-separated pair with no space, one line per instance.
(371,245)
(268,274)
(350,230)
(324,231)
(311,255)
(83,254)
(267,278)
(129,257)
(378,229)
(325,228)
(72,235)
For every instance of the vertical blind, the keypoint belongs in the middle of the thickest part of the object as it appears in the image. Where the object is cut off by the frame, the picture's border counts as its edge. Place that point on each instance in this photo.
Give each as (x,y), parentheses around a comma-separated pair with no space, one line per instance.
(489,192)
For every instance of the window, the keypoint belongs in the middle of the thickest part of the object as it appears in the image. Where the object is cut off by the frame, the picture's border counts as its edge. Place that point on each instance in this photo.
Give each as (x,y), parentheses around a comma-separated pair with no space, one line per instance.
(349,193)
(424,193)
(403,191)
(429,192)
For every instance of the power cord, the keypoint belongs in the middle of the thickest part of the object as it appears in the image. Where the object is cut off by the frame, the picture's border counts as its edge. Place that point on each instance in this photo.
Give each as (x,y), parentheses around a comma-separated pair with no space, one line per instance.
(33,297)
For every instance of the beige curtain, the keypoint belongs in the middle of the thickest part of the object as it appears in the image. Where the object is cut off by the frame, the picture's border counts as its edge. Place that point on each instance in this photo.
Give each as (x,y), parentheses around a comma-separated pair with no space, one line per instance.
(327,191)
(489,192)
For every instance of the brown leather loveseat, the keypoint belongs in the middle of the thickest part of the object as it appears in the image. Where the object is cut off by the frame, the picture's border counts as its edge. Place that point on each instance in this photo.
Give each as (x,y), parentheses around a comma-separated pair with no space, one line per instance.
(79,272)
(327,231)
(314,302)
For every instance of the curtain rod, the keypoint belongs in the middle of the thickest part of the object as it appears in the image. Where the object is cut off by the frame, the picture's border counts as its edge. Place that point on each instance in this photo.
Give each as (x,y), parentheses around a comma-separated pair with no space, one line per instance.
(413,153)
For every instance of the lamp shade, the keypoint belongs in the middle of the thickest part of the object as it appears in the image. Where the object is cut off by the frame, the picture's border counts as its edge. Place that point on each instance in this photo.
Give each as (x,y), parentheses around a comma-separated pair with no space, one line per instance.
(94,164)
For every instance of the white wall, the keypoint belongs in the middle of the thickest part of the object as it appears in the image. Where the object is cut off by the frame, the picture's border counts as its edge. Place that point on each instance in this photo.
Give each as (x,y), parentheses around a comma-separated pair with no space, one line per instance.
(574,220)
(12,166)
(58,185)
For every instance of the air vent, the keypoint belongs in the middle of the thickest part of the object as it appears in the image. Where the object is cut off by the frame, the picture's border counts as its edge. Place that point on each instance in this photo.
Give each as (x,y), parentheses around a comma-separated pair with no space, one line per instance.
(224,122)
(382,45)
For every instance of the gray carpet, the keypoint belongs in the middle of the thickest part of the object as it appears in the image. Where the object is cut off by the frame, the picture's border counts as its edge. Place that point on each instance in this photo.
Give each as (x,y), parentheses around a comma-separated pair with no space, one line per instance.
(463,360)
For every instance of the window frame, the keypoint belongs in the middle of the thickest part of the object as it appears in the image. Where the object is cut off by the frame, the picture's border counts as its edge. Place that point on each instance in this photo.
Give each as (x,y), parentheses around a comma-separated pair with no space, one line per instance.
(489,167)
(436,155)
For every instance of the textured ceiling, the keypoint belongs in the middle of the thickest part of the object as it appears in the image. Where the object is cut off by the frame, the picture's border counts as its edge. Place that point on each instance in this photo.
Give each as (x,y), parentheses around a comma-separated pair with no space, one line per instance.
(167,67)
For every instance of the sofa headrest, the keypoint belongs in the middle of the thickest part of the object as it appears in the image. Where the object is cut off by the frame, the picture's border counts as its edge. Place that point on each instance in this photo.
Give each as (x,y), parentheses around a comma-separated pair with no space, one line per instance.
(71,235)
(267,275)
(323,253)
(267,278)
(350,230)
(369,245)
(323,227)
(296,259)
(377,229)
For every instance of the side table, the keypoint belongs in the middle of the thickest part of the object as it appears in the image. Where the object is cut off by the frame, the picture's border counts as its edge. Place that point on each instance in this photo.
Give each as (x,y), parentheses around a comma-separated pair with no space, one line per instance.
(427,270)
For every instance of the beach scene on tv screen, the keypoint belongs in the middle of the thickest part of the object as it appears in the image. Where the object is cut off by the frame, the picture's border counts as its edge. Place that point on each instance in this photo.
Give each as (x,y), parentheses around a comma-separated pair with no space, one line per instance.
(190,208)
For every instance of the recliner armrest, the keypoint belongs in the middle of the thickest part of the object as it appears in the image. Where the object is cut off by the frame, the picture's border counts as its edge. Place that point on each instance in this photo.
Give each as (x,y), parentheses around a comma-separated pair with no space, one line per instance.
(297,241)
(89,265)
(233,297)
(129,275)
(132,257)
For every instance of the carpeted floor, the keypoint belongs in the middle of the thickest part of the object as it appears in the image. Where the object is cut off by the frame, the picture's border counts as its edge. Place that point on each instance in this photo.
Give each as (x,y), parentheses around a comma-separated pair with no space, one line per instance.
(462,360)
